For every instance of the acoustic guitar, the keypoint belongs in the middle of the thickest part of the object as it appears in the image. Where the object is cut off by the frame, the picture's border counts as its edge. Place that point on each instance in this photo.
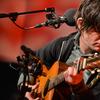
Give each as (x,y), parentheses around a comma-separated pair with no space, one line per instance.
(54,77)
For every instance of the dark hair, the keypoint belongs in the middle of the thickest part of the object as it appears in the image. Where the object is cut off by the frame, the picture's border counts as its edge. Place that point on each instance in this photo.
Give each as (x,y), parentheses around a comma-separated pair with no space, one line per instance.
(89,10)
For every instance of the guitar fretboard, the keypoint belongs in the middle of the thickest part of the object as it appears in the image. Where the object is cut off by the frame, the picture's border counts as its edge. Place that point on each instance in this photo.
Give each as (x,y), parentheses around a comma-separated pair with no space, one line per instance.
(56,80)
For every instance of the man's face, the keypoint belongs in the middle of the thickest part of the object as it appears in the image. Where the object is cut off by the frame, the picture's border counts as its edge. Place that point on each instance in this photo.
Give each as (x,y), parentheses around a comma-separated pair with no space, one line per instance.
(92,39)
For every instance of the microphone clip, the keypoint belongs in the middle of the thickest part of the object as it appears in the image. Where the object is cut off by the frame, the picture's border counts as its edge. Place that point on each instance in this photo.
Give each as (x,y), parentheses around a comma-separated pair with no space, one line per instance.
(52,19)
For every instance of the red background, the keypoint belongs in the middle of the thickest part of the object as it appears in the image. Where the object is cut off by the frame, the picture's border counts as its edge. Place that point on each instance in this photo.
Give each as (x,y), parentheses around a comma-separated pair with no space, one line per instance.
(12,37)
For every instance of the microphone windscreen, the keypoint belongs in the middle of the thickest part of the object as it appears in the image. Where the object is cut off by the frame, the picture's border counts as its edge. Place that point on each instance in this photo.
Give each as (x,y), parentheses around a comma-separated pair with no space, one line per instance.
(69,15)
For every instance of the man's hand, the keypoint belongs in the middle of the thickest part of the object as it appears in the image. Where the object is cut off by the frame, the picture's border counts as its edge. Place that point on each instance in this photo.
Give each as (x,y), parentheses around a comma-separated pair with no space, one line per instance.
(72,77)
(28,95)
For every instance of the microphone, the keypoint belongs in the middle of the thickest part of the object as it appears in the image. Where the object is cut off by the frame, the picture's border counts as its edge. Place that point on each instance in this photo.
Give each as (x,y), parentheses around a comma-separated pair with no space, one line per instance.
(67,18)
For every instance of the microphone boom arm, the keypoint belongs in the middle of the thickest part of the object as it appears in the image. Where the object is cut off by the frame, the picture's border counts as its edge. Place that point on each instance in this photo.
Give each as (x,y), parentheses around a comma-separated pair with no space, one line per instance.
(15,14)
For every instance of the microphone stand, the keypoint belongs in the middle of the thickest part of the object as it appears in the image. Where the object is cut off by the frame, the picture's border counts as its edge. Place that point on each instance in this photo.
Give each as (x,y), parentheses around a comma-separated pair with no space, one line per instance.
(24,70)
(24,88)
(14,15)
(25,61)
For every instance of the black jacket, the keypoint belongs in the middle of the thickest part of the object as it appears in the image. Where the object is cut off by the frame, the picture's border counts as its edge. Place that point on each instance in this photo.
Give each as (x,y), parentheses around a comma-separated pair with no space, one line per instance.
(50,53)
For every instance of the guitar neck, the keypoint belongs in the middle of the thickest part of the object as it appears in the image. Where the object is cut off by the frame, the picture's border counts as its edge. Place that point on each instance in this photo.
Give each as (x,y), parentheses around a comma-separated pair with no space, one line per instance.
(56,80)
(82,64)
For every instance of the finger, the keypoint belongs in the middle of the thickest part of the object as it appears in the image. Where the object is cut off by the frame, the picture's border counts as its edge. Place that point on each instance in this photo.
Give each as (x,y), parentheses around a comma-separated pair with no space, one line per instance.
(74,71)
(71,75)
(34,86)
(28,96)
(70,70)
(36,99)
(67,76)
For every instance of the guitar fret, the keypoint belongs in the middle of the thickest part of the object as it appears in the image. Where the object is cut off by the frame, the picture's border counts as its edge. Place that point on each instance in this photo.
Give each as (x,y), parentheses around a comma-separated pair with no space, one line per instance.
(56,80)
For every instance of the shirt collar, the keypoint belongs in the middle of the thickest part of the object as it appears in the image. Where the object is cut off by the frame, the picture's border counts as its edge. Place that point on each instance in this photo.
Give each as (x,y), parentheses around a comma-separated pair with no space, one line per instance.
(76,40)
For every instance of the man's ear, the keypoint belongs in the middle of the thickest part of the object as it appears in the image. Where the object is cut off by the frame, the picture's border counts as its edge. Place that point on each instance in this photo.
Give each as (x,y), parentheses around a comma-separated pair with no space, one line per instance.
(79,22)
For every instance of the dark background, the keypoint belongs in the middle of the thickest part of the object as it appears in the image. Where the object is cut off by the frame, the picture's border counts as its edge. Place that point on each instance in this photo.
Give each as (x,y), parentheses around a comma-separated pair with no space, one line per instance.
(9,78)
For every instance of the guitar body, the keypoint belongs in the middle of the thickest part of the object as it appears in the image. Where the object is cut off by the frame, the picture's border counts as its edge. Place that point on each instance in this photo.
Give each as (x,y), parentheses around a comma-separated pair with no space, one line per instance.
(52,93)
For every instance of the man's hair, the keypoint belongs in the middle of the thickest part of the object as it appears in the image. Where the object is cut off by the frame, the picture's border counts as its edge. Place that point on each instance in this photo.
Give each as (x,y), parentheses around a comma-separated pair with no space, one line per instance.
(89,10)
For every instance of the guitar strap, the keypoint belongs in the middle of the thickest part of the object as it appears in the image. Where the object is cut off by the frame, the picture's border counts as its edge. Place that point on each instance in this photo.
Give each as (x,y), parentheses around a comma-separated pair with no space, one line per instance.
(66,50)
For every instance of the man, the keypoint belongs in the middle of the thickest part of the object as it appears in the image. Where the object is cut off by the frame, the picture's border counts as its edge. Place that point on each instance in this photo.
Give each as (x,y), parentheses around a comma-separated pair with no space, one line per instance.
(84,42)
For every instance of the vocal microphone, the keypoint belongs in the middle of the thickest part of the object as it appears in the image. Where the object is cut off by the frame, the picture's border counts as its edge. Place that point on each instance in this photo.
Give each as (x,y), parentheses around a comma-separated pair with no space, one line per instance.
(67,18)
